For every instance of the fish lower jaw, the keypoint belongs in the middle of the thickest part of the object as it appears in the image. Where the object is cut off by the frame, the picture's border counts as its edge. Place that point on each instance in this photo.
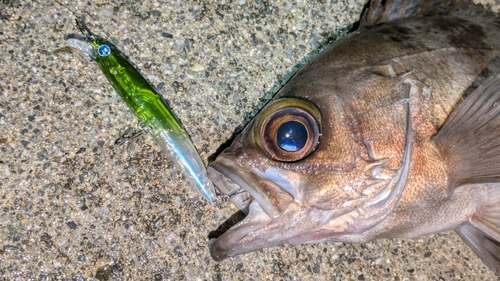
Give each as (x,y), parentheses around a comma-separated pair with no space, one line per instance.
(230,243)
(240,187)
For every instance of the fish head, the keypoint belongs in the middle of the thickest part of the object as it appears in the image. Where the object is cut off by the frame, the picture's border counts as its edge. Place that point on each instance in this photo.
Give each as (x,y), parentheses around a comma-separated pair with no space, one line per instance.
(303,171)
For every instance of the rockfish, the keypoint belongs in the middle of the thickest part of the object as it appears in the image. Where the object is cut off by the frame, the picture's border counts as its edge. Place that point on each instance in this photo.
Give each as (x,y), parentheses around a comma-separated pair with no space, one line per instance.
(392,131)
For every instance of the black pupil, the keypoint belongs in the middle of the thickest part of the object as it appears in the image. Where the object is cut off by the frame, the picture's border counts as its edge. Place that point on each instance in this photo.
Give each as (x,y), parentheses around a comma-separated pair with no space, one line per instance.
(292,136)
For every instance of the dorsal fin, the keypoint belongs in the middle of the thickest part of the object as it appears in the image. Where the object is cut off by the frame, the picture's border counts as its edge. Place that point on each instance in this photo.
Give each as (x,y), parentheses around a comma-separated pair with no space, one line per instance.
(380,11)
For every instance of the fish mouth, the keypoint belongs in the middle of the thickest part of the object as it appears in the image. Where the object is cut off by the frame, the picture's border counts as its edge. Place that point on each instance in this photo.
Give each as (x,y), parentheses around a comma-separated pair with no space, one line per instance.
(243,190)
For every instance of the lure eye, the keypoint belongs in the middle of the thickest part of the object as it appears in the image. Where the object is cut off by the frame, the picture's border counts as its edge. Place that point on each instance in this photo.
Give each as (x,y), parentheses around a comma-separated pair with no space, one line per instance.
(103,50)
(289,129)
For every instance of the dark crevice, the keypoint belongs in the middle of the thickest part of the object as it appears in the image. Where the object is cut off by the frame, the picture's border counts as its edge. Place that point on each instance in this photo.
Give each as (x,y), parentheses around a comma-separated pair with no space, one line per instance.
(225,226)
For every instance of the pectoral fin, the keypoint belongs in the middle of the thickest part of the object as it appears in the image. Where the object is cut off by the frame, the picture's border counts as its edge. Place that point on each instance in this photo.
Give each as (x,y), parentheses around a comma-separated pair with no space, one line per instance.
(488,220)
(482,234)
(469,143)
(469,140)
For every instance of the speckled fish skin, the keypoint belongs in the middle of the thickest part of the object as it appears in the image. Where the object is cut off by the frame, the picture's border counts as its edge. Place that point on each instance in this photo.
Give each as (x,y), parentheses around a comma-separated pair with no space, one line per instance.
(384,93)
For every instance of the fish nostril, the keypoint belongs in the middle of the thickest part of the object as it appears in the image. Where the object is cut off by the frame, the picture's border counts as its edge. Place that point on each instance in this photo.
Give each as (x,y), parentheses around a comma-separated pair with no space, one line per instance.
(238,143)
(233,144)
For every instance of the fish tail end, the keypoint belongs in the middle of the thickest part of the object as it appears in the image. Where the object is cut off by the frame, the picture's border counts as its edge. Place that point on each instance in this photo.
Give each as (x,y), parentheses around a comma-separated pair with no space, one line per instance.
(469,141)
(482,234)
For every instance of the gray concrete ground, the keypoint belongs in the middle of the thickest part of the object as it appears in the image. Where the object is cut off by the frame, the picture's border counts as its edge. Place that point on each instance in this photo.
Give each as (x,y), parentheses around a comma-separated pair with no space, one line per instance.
(74,206)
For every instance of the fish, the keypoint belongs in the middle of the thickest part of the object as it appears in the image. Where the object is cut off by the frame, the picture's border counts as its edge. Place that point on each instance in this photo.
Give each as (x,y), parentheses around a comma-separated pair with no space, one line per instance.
(393,131)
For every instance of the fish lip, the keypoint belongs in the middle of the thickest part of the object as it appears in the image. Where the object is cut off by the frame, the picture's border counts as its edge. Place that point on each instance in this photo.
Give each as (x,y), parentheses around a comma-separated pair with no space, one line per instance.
(222,170)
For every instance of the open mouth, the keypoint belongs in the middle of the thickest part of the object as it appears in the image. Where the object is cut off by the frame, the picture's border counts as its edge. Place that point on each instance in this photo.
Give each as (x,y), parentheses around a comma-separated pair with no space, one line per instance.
(242,189)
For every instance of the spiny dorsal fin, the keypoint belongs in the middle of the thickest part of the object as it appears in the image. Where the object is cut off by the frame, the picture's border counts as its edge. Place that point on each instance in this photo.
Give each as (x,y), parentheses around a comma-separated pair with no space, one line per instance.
(380,11)
(469,140)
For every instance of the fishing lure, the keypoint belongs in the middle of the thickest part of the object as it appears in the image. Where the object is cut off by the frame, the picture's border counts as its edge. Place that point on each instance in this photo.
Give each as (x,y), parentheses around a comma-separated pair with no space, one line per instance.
(152,110)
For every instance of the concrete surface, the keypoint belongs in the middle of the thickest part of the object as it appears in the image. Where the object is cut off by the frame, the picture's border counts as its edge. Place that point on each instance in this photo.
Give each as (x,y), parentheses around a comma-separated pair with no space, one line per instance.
(74,206)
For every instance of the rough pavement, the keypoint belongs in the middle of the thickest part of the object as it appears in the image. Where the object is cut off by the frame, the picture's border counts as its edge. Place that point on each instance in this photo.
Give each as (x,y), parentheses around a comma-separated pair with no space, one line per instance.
(74,206)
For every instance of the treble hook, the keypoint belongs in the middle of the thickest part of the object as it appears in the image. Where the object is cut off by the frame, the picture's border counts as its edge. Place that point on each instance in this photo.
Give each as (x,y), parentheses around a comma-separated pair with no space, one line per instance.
(83,28)
(123,139)
(80,22)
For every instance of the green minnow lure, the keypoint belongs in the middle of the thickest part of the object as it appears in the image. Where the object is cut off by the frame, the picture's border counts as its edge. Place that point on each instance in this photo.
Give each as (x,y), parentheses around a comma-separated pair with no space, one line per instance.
(149,106)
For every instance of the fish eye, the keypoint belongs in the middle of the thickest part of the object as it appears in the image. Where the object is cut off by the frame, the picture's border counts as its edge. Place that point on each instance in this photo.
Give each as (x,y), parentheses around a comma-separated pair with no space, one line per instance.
(292,136)
(103,50)
(288,129)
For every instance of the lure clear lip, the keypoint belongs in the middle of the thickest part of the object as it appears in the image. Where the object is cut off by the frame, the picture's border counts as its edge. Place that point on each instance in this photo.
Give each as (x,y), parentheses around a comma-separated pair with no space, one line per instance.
(148,105)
